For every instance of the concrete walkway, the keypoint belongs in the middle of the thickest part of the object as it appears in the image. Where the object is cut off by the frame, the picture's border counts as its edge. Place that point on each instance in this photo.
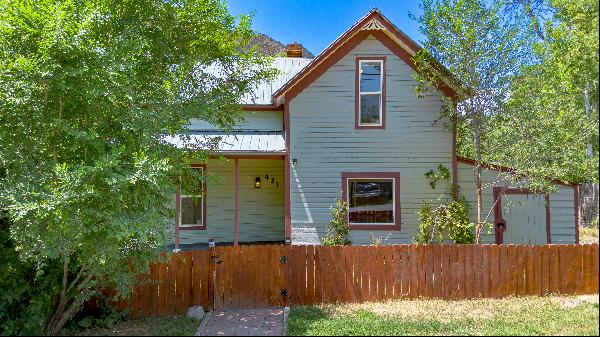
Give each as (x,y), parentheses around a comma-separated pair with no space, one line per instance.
(244,322)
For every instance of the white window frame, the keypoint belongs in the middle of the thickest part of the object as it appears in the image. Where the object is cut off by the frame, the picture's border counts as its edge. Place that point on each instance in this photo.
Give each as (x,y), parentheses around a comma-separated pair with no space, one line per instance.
(393,180)
(361,93)
(181,224)
(200,197)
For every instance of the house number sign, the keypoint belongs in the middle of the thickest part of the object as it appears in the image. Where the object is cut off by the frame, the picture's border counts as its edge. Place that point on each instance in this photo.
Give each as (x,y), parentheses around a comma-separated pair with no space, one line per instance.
(271,180)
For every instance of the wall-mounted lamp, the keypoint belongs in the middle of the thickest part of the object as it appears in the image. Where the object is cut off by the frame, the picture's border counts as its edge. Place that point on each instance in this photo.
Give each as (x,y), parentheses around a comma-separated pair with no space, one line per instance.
(257,183)
(294,161)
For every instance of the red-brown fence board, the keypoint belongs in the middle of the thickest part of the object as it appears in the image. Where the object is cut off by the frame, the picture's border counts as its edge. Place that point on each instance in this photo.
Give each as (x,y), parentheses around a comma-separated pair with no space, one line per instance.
(254,276)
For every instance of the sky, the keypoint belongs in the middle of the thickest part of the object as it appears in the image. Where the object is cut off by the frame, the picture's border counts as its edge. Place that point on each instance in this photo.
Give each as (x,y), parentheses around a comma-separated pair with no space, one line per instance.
(315,24)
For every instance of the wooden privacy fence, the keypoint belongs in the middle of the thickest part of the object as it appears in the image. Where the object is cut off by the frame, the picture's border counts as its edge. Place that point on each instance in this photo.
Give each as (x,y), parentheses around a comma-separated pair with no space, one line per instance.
(366,273)
(259,276)
(241,276)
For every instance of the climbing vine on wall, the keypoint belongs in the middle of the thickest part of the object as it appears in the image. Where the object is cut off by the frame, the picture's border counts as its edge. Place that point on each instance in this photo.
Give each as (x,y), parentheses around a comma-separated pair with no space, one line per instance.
(447,221)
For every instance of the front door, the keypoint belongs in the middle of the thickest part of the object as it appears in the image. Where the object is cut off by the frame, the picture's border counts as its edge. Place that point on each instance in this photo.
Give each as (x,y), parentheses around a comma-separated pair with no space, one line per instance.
(522,218)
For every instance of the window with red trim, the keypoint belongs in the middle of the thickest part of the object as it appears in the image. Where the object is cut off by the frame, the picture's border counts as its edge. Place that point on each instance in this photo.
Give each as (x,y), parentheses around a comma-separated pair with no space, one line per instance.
(373,200)
(370,93)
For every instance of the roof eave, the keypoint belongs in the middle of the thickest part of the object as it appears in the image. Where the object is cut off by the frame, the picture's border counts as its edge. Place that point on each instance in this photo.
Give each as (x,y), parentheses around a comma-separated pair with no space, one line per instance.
(399,37)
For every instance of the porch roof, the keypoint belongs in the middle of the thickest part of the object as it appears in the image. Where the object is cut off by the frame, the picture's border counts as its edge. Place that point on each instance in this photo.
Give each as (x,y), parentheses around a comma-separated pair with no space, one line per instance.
(232,142)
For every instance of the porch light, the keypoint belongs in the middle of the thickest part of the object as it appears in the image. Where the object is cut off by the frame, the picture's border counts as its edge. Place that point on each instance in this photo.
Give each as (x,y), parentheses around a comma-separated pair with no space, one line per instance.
(257,183)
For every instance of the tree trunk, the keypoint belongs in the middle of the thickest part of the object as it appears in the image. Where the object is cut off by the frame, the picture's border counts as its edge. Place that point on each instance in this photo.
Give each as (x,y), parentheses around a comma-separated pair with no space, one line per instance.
(72,297)
(477,125)
(479,202)
(590,147)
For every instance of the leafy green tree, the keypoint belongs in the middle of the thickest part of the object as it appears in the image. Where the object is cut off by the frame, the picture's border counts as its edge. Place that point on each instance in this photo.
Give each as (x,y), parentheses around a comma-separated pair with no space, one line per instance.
(480,52)
(550,124)
(88,92)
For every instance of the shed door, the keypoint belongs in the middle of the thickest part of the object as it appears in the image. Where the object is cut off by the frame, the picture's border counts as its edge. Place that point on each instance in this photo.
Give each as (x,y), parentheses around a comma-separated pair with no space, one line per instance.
(525,219)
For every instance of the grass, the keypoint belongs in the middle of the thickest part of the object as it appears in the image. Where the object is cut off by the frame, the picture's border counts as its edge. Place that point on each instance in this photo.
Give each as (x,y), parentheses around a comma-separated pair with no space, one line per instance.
(588,234)
(155,326)
(512,316)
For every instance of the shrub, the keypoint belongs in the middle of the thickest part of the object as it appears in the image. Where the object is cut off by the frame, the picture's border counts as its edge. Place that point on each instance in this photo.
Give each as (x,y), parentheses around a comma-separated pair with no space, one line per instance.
(448,220)
(25,295)
(594,223)
(105,315)
(338,231)
(379,240)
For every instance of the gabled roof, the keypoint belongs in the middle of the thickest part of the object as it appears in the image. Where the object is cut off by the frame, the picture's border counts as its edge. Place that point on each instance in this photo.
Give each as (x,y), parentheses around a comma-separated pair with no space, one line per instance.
(375,24)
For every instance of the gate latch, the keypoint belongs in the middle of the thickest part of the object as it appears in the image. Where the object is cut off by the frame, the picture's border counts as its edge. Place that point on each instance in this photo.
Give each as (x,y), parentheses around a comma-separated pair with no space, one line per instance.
(216,259)
(283,292)
(283,259)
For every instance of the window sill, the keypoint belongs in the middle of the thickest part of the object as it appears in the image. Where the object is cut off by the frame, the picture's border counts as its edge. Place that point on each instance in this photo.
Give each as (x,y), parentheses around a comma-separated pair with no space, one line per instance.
(375,227)
(190,228)
(366,127)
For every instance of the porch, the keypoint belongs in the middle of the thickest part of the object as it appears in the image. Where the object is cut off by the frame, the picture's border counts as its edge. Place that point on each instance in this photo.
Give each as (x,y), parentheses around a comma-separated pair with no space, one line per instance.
(243,198)
(243,203)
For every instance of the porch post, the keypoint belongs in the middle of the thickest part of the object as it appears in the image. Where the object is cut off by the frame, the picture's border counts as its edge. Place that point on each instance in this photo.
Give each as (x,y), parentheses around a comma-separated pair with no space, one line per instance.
(235,202)
(177,207)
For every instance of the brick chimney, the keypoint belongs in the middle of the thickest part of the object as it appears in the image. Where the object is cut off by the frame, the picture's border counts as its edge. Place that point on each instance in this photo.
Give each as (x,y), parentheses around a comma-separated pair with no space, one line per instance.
(294,50)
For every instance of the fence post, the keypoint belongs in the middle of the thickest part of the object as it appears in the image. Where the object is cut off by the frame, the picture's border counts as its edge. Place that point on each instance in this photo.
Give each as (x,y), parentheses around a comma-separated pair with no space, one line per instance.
(212,279)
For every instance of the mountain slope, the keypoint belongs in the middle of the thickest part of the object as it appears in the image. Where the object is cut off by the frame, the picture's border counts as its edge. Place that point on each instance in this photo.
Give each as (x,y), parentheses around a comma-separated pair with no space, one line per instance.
(272,47)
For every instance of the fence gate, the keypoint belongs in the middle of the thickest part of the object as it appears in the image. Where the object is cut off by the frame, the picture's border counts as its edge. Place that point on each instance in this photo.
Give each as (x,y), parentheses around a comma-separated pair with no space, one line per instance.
(249,276)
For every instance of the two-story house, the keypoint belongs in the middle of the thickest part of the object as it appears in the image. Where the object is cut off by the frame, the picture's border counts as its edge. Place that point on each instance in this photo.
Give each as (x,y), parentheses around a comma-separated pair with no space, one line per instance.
(348,124)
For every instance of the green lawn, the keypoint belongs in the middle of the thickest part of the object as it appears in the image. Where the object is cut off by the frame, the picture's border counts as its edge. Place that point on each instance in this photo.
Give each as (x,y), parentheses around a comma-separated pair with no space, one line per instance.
(523,316)
(163,326)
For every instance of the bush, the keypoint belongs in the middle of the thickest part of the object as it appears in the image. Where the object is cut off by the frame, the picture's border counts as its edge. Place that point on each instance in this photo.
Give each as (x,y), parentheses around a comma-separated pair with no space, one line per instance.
(25,297)
(594,223)
(379,240)
(102,316)
(338,231)
(447,221)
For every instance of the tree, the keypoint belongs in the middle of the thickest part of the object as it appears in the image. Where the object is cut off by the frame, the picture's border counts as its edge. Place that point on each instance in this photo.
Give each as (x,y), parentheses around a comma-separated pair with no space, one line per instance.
(526,74)
(553,106)
(479,52)
(88,91)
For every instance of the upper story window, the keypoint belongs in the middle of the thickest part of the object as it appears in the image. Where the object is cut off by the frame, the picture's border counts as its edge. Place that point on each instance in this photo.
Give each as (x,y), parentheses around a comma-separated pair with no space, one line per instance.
(370,93)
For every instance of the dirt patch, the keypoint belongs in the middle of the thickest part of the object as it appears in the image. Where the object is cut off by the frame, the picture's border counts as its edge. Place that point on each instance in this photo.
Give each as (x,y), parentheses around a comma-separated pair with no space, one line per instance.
(573,302)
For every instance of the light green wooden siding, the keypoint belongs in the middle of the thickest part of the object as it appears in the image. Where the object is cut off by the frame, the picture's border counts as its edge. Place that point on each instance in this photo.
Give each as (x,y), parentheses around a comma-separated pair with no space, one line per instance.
(466,183)
(254,120)
(325,143)
(562,215)
(260,210)
(562,211)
